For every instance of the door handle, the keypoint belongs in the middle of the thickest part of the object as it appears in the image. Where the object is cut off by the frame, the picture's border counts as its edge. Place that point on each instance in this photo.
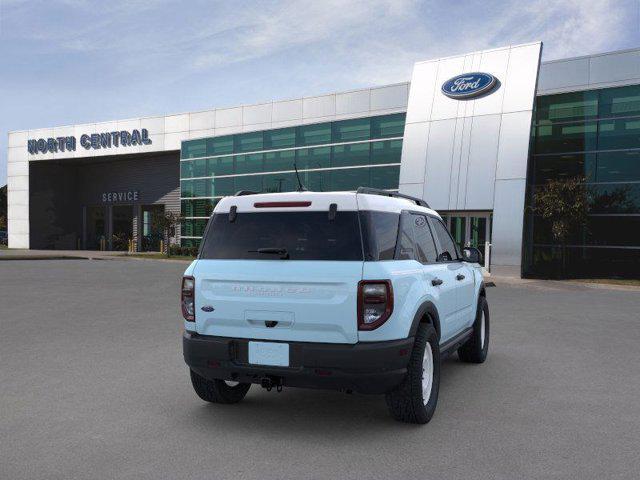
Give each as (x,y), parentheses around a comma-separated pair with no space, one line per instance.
(436,281)
(459,277)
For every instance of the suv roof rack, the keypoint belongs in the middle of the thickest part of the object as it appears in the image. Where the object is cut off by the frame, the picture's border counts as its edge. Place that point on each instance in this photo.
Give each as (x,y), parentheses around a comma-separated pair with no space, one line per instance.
(385,193)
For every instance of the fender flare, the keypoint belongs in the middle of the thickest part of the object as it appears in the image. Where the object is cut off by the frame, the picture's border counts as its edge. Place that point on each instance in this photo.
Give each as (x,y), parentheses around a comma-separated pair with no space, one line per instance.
(426,308)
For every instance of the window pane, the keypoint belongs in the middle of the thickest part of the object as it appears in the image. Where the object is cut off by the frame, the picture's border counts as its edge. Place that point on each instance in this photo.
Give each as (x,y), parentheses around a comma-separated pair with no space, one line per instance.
(280,138)
(304,235)
(566,107)
(221,187)
(186,169)
(313,134)
(319,157)
(220,166)
(620,102)
(447,249)
(347,155)
(248,142)
(387,178)
(551,167)
(619,134)
(615,198)
(618,167)
(458,228)
(425,246)
(252,183)
(279,182)
(197,208)
(220,145)
(193,228)
(388,151)
(352,130)
(249,163)
(200,187)
(388,126)
(276,161)
(575,137)
(347,179)
(190,242)
(194,148)
(186,188)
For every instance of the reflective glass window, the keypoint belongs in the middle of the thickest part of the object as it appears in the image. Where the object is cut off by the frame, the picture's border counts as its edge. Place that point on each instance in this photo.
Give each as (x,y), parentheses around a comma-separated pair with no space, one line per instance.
(313,134)
(566,107)
(351,130)
(347,155)
(618,166)
(220,145)
(221,187)
(622,133)
(248,142)
(319,157)
(280,138)
(551,167)
(282,160)
(620,102)
(388,151)
(387,178)
(251,163)
(220,166)
(194,148)
(252,183)
(388,126)
(575,137)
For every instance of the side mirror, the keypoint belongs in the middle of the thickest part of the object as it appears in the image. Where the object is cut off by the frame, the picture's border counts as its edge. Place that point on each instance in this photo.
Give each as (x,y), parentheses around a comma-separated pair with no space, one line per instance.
(471,255)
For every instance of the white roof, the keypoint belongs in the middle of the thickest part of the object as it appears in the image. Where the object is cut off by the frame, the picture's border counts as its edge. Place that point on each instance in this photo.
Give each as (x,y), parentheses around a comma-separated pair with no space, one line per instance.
(318,201)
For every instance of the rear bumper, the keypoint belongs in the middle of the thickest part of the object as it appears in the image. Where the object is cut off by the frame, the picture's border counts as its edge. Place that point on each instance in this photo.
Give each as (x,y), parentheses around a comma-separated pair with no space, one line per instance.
(372,367)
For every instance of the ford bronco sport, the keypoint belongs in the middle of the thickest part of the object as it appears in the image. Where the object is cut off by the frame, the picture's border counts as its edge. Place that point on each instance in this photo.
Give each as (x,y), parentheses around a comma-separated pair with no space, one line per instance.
(363,291)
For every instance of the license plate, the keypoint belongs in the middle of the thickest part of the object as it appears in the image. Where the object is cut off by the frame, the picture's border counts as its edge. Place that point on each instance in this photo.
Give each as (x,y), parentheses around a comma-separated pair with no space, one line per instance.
(269,353)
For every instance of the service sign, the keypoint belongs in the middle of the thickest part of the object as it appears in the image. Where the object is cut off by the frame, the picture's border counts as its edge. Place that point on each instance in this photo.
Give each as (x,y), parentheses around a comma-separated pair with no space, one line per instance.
(93,141)
(469,85)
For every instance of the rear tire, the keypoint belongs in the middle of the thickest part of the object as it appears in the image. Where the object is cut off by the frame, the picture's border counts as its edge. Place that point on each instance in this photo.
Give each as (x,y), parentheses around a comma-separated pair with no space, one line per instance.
(218,391)
(415,399)
(477,347)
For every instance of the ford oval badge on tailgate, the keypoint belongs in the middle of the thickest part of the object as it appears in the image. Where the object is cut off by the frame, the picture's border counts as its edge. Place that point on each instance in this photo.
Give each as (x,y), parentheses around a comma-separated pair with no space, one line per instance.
(207,308)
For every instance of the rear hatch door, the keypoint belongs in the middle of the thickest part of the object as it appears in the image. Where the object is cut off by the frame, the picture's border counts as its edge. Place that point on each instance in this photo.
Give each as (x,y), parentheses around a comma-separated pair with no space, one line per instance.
(280,273)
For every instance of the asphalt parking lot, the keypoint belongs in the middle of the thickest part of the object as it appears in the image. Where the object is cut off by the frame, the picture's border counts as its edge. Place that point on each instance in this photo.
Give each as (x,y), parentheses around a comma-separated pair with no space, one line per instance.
(93,385)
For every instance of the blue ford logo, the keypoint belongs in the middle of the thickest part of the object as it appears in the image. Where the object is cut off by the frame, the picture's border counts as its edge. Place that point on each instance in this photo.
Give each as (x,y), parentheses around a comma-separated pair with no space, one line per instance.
(468,85)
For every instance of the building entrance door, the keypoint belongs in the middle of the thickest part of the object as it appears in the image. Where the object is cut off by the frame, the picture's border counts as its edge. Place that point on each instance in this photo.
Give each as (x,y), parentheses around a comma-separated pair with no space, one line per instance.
(470,229)
(96,227)
(151,232)
(121,227)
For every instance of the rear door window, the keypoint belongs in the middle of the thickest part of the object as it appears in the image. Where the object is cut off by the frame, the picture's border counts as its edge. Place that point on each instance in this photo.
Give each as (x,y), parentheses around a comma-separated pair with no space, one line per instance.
(447,250)
(303,235)
(379,234)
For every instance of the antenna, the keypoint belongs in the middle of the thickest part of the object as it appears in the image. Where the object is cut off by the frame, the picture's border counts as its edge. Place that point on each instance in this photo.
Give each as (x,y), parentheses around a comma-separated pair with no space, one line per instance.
(301,187)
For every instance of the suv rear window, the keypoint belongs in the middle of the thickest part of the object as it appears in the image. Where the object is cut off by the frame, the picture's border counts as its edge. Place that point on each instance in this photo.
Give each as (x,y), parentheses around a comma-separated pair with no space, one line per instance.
(304,236)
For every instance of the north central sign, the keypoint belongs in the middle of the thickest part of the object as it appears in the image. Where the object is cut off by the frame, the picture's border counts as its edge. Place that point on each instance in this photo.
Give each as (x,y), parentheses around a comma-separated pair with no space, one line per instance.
(469,85)
(93,141)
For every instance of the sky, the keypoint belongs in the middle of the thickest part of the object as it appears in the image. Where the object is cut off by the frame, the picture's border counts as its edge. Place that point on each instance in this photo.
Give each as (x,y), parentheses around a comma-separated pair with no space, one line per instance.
(65,62)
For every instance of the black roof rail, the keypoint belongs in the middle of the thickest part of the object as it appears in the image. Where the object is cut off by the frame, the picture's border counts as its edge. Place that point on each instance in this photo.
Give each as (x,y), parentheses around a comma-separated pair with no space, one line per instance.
(242,193)
(385,193)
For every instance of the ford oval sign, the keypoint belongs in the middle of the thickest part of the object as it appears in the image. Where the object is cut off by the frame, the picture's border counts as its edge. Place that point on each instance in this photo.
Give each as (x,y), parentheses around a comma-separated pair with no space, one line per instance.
(469,85)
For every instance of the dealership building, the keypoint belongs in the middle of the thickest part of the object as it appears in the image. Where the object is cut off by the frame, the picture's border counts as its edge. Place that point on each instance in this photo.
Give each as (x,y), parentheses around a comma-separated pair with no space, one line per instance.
(475,135)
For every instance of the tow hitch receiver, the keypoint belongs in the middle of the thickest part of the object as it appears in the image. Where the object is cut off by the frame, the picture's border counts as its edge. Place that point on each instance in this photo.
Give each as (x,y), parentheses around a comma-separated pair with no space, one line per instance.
(270,382)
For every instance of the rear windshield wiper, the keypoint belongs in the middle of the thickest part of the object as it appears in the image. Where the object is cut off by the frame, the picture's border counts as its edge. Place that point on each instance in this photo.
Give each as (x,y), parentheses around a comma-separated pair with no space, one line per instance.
(284,255)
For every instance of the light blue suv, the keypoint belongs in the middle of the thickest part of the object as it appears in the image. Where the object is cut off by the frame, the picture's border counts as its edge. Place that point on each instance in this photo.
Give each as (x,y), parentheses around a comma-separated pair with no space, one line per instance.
(363,291)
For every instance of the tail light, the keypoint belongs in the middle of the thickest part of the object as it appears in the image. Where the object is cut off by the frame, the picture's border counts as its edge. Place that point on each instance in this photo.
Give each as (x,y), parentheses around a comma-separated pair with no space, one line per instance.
(375,303)
(188,299)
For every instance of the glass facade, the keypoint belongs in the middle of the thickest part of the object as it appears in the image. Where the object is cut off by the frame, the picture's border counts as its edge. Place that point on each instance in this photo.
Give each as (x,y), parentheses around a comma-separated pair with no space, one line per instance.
(341,155)
(593,135)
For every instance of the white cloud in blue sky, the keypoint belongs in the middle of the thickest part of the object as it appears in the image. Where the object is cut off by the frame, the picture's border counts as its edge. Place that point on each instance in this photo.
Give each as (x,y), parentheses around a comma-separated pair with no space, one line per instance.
(74,61)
